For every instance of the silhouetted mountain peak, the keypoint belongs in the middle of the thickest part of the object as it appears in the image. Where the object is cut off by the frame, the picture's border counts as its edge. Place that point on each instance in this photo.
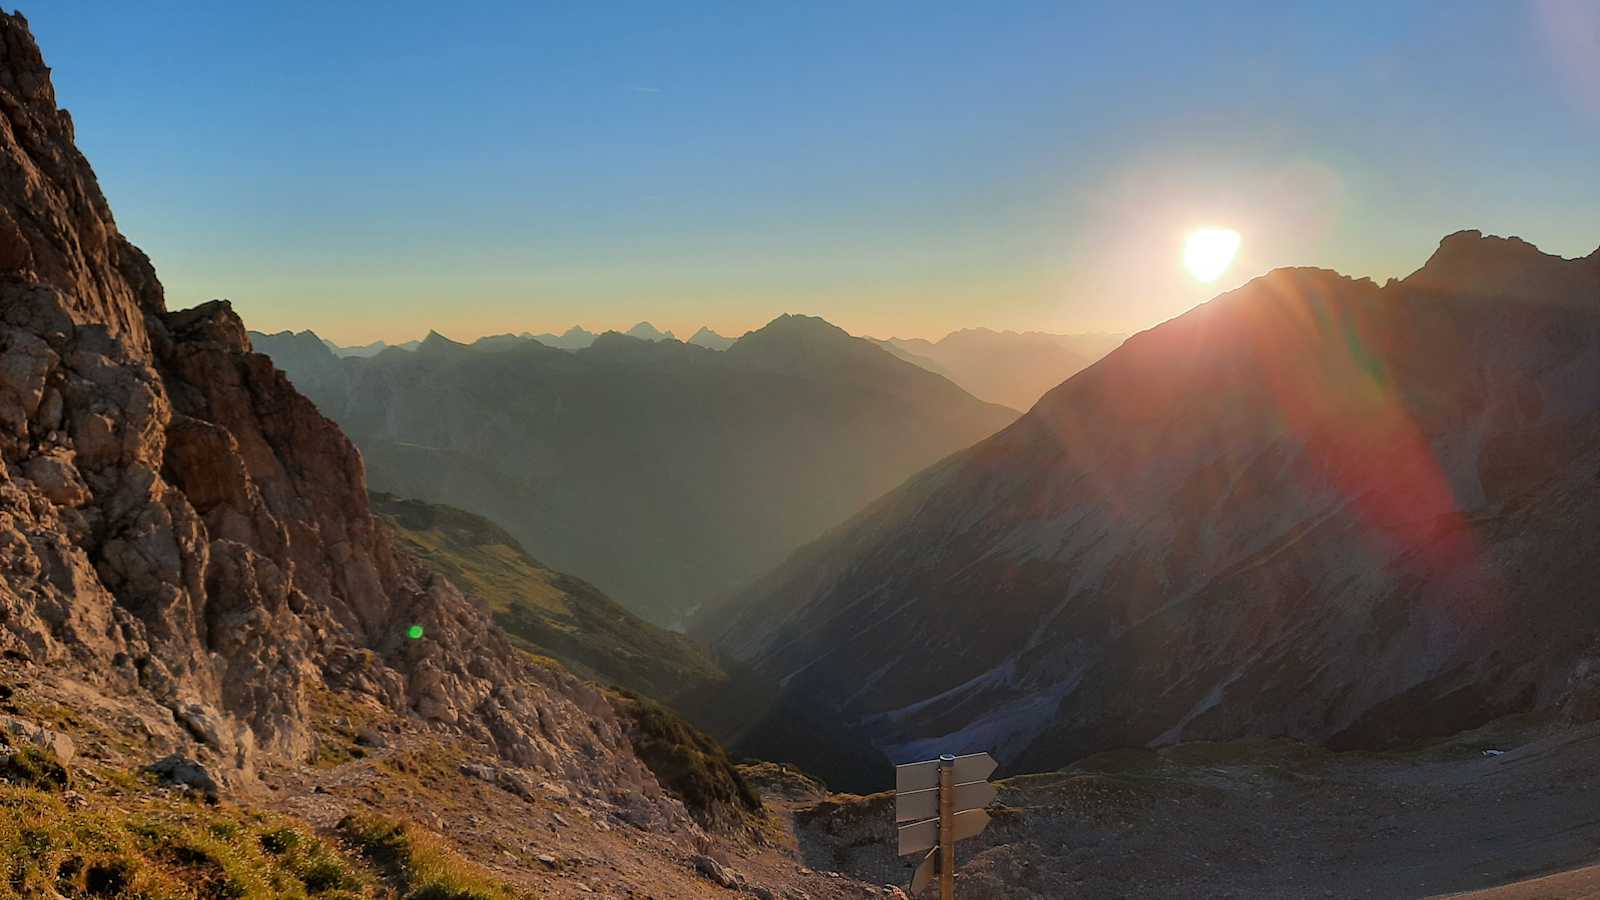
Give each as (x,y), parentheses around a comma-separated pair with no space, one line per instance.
(575,338)
(499,341)
(614,345)
(647,332)
(616,339)
(705,337)
(438,343)
(1471,264)
(306,342)
(795,327)
(1297,287)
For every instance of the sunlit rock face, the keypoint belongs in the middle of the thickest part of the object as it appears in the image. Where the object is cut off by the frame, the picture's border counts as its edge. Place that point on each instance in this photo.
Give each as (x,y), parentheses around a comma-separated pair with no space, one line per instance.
(180,527)
(1313,506)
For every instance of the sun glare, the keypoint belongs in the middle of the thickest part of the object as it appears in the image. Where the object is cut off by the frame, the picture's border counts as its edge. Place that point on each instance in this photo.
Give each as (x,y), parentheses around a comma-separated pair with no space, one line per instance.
(1208,252)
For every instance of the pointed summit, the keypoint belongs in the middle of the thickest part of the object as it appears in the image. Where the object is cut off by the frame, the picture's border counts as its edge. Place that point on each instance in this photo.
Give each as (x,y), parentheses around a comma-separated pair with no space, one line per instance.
(817,348)
(437,343)
(802,327)
(709,339)
(644,331)
(575,338)
(797,339)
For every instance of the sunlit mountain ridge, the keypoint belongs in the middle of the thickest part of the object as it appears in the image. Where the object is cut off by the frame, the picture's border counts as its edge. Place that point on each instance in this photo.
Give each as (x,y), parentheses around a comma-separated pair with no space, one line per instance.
(1314,506)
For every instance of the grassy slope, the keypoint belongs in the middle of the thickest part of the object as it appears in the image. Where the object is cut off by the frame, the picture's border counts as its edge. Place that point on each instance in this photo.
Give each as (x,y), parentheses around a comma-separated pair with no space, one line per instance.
(546,611)
(559,616)
(127,841)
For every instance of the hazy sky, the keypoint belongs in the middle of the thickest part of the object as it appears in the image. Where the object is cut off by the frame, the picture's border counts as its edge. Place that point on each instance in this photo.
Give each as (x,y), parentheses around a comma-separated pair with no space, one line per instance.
(373,170)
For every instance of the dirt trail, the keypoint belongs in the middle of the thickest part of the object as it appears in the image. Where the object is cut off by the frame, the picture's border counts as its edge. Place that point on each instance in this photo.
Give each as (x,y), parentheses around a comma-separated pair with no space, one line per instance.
(1578,884)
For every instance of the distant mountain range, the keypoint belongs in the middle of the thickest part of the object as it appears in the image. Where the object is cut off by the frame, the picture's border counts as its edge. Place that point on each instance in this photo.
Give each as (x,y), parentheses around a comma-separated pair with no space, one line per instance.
(364,350)
(667,474)
(1314,507)
(575,338)
(1006,367)
(1011,368)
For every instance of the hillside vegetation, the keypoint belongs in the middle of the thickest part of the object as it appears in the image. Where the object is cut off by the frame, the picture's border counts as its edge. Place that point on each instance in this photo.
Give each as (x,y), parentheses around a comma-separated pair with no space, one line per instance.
(139,843)
(546,612)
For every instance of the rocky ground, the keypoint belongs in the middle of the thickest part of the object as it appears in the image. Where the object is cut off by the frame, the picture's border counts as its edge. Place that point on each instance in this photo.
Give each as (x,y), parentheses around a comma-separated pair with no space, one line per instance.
(1269,819)
(1509,812)
(548,837)
(536,833)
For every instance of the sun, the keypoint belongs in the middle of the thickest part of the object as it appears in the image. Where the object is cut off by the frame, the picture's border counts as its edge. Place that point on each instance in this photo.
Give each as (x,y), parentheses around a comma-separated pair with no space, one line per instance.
(1209,251)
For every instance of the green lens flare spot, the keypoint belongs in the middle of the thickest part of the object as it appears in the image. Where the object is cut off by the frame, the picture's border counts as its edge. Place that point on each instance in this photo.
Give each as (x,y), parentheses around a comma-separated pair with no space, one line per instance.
(414,632)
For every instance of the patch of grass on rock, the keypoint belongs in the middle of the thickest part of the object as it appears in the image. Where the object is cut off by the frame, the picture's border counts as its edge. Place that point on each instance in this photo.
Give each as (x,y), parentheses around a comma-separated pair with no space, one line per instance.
(689,764)
(31,767)
(419,865)
(176,850)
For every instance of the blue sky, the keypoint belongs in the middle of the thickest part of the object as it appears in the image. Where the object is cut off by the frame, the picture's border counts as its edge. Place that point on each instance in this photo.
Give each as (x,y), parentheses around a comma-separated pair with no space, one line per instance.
(373,170)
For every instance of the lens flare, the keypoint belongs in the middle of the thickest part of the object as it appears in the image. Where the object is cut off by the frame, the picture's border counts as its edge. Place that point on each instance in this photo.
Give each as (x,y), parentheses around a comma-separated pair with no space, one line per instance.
(1208,252)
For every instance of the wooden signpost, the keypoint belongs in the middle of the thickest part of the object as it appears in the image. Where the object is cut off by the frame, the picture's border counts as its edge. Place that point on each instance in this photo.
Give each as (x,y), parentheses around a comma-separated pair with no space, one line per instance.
(937,803)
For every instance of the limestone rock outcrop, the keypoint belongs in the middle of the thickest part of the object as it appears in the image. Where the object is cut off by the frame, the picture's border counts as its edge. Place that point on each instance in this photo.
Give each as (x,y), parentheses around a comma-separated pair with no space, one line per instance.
(177,521)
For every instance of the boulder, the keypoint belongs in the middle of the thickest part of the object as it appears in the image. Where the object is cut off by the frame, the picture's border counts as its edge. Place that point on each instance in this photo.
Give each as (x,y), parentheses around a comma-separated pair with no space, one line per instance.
(19,731)
(371,737)
(182,771)
(57,478)
(716,872)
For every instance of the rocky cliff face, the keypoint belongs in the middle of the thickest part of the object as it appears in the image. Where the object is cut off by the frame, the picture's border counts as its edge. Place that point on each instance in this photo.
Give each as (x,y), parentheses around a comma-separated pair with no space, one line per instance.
(1314,507)
(177,523)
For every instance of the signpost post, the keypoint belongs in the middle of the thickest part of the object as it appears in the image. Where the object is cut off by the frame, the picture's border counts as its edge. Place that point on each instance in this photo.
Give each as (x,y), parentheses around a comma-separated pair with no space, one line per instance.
(947,827)
(937,803)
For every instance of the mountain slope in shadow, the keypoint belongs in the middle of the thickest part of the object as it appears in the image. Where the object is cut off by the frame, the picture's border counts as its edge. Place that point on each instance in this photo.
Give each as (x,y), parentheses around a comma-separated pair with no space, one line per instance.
(1313,507)
(1007,367)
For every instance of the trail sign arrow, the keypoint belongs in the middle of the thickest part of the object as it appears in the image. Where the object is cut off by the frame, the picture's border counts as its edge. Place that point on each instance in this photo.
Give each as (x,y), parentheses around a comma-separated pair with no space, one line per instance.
(919,836)
(924,873)
(937,803)
(971,823)
(924,776)
(919,805)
